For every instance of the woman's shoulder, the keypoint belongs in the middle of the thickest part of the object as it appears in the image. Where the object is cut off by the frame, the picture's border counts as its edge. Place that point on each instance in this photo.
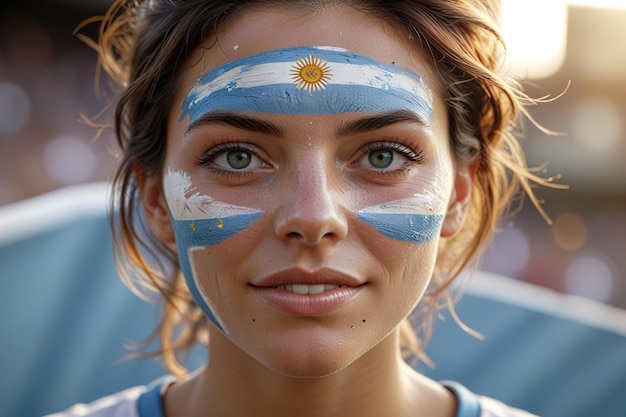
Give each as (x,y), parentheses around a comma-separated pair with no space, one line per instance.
(474,405)
(494,408)
(139,401)
(123,403)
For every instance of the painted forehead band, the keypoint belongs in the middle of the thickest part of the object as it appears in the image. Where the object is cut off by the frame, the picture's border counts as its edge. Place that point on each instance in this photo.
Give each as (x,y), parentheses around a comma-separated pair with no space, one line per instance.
(308,80)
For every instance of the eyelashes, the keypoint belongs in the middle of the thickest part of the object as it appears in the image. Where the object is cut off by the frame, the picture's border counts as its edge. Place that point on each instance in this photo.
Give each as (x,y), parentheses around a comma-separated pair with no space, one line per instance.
(234,156)
(389,157)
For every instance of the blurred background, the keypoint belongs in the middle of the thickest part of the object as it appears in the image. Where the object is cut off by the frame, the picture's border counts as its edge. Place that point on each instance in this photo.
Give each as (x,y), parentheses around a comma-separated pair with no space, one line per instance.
(572,46)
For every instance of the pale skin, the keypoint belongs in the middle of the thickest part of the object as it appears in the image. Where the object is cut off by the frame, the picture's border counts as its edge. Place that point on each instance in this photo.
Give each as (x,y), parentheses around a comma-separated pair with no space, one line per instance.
(309,182)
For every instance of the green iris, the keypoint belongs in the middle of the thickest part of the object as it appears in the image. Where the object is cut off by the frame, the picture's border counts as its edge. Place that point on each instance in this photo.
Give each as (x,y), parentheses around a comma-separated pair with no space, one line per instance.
(381,158)
(239,159)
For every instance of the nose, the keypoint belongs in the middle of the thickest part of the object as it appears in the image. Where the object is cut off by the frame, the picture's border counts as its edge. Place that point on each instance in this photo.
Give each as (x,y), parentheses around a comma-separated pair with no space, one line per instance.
(311,213)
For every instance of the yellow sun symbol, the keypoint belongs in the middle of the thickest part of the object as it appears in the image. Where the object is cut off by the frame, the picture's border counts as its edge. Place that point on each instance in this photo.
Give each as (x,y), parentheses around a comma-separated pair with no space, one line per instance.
(311,73)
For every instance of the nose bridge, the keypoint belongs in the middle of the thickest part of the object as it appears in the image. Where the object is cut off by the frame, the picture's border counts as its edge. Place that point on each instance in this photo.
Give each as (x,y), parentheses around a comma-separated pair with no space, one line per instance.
(312,210)
(312,187)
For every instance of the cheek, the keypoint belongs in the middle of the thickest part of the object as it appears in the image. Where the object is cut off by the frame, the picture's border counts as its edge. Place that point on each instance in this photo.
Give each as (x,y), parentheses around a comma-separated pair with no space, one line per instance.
(404,258)
(203,282)
(403,236)
(217,280)
(201,226)
(405,273)
(211,269)
(400,259)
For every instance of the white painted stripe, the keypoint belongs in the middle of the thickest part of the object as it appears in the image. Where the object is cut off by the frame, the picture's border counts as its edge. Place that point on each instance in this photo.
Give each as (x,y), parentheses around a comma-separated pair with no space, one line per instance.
(280,73)
(186,206)
(419,204)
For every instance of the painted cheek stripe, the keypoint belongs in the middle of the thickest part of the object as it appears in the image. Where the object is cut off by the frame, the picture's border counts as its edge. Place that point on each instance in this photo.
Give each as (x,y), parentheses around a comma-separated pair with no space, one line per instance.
(199,222)
(308,80)
(417,228)
(397,219)
(194,235)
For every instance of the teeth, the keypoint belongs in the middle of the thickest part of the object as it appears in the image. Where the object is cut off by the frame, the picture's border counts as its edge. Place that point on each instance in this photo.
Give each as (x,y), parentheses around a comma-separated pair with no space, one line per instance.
(305,289)
(300,288)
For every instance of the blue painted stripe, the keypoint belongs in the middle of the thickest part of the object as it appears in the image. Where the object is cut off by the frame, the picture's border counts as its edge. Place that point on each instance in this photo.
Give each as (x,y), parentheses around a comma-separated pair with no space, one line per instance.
(202,233)
(288,99)
(209,232)
(418,228)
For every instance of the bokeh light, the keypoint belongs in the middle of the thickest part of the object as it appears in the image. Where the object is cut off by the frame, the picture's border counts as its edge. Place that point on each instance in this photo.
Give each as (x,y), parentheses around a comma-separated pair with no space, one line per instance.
(569,232)
(508,253)
(588,115)
(589,277)
(69,160)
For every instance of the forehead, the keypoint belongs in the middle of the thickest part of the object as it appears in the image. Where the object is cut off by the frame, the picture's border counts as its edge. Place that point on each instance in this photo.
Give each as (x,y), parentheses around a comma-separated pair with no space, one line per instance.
(258,30)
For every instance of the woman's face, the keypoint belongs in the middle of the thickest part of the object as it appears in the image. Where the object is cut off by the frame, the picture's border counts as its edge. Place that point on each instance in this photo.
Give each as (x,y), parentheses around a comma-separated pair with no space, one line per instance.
(307,181)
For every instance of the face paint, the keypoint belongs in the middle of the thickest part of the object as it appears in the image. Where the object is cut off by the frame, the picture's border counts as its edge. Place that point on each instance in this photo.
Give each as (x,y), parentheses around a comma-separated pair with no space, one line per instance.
(199,221)
(402,220)
(308,80)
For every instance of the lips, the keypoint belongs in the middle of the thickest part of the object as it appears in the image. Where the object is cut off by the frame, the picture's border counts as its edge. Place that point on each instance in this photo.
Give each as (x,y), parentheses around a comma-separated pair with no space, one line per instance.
(299,276)
(301,292)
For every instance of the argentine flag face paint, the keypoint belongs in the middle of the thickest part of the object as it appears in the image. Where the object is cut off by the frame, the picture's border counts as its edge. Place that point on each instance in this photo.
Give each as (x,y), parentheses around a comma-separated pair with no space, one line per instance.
(295,81)
(308,80)
(199,221)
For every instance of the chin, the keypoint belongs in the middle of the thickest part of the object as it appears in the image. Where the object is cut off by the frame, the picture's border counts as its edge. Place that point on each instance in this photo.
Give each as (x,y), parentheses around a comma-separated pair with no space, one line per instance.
(307,367)
(308,358)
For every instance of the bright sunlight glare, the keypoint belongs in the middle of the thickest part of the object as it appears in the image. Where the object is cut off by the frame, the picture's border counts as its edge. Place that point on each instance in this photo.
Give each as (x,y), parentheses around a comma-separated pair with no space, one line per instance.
(536,34)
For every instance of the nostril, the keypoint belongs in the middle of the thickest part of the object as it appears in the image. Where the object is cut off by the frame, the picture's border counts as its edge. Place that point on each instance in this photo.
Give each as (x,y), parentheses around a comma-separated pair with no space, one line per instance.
(293,235)
(310,224)
(309,237)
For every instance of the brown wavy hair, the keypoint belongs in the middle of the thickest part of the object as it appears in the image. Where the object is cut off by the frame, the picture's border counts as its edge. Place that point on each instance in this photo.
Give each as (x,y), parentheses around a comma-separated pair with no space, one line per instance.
(143,45)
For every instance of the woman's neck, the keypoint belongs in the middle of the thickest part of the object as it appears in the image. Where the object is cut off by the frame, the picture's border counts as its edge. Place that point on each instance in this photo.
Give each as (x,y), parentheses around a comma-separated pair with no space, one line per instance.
(378,383)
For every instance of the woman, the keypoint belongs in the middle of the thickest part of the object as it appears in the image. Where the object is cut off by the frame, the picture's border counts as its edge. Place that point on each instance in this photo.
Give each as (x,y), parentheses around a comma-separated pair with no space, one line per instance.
(309,172)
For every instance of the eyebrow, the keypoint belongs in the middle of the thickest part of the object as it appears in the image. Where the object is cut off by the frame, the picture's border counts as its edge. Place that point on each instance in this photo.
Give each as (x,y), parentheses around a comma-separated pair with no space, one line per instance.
(379,121)
(252,124)
(239,121)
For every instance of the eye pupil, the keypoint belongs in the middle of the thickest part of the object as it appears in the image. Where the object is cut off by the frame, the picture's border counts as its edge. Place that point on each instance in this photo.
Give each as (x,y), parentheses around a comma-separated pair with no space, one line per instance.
(239,159)
(381,158)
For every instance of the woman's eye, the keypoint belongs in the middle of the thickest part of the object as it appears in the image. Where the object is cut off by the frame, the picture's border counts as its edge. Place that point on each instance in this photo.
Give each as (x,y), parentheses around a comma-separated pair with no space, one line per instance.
(388,157)
(237,159)
(232,158)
